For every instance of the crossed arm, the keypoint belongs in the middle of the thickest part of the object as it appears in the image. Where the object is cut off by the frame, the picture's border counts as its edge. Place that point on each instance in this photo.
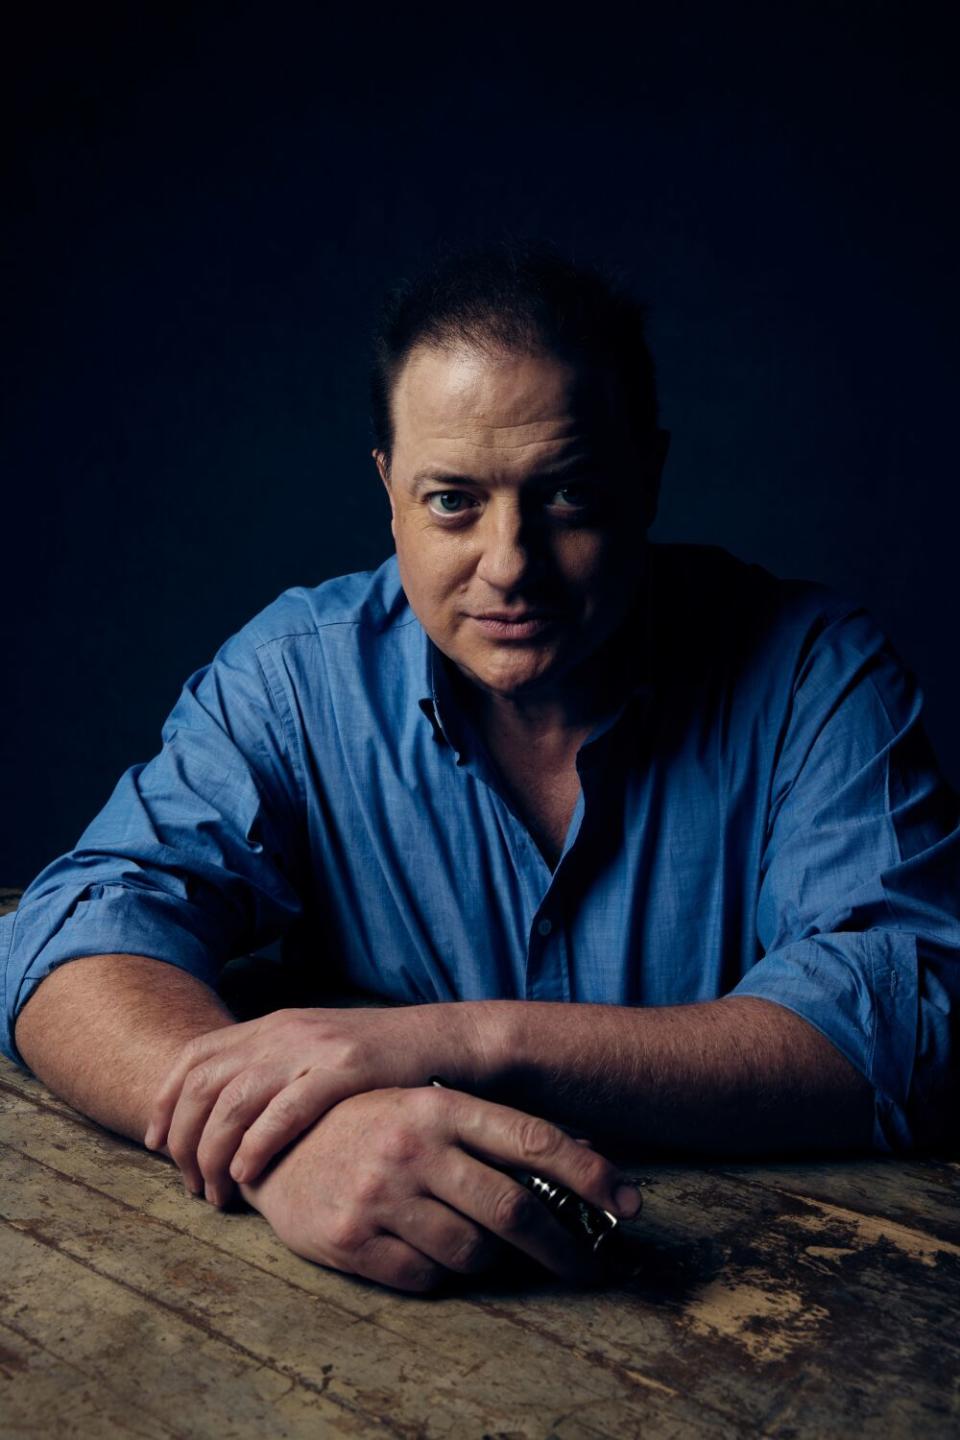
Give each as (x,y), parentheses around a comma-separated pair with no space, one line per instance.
(378,1174)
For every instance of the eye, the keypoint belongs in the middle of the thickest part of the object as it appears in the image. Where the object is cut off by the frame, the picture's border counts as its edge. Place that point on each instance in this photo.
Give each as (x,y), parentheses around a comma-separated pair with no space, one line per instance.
(578,497)
(443,497)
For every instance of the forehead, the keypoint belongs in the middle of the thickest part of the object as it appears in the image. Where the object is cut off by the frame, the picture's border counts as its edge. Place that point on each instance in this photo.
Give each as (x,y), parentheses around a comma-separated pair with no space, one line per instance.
(502,401)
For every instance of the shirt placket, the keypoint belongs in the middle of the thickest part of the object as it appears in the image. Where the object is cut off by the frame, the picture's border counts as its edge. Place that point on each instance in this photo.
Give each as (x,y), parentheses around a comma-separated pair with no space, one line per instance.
(548,961)
(546,974)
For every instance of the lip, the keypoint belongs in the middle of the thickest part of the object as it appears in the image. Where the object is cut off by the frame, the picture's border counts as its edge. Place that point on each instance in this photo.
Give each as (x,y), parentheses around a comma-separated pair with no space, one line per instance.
(522,626)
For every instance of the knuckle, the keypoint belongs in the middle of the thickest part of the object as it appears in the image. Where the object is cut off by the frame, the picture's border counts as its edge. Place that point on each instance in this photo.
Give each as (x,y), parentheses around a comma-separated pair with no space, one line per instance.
(347,1053)
(401,1267)
(429,1102)
(178,1155)
(469,1254)
(207,1157)
(415,1275)
(274,1021)
(297,1026)
(369,1191)
(184,1157)
(199,1082)
(282,1112)
(235,1099)
(349,1233)
(596,1173)
(513,1209)
(537,1138)
(191,1050)
(401,1144)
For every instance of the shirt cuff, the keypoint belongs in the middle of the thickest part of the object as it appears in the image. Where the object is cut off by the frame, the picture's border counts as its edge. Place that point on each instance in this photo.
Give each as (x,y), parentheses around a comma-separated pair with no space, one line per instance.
(860,990)
(108,920)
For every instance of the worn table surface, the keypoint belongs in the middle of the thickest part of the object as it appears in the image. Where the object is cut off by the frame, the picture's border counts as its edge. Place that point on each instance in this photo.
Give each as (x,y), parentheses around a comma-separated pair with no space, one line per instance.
(782,1299)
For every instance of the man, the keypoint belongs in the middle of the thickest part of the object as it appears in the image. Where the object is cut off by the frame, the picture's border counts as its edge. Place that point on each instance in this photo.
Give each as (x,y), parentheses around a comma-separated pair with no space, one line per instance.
(649,844)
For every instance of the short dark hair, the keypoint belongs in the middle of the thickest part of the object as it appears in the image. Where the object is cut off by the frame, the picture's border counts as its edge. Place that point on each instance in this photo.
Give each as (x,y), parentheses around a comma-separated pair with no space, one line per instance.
(515,295)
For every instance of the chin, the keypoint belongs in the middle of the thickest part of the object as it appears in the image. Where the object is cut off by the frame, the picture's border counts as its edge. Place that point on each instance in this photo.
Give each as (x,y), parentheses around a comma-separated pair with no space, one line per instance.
(511,679)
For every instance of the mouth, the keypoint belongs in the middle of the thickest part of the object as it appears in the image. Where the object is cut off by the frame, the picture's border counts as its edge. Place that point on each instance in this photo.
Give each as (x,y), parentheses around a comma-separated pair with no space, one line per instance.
(523,626)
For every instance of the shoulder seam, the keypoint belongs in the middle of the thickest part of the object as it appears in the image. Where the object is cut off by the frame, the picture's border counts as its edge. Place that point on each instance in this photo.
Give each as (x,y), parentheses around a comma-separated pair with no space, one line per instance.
(324,625)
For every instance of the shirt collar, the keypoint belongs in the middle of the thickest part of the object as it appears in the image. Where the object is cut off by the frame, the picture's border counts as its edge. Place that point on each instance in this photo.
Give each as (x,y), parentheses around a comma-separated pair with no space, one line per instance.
(437,701)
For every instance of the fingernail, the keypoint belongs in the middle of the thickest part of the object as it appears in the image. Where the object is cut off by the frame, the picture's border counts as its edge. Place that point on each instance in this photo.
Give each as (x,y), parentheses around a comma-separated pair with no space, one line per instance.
(627,1200)
(150,1139)
(238,1170)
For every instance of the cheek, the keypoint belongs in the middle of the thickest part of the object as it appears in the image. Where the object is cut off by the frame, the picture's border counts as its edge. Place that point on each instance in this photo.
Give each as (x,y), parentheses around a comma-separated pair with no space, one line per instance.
(586,556)
(604,569)
(429,574)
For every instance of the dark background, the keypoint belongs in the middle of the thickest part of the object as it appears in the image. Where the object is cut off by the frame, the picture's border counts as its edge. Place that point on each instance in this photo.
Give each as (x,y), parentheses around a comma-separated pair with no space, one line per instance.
(203,204)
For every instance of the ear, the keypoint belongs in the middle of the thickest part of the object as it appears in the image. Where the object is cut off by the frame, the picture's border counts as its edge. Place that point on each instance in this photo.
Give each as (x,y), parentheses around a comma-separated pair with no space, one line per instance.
(384,473)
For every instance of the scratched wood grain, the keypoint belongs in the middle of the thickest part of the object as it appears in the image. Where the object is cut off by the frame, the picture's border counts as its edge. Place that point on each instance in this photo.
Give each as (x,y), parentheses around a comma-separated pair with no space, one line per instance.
(788,1300)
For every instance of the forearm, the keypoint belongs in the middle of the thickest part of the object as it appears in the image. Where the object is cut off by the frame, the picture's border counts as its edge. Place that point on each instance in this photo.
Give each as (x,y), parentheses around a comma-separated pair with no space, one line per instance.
(733,1075)
(102,1031)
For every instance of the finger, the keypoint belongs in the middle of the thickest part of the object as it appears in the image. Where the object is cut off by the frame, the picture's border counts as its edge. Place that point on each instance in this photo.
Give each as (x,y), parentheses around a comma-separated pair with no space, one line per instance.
(508,1137)
(445,1235)
(195,1052)
(391,1261)
(508,1210)
(238,1105)
(198,1096)
(290,1111)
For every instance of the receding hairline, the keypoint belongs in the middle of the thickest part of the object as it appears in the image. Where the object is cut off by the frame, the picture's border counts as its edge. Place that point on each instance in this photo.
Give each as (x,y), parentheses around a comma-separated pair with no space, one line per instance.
(495,349)
(515,296)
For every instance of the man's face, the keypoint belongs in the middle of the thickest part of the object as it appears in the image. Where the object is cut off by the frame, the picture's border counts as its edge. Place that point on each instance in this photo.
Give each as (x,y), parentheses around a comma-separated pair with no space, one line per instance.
(515,489)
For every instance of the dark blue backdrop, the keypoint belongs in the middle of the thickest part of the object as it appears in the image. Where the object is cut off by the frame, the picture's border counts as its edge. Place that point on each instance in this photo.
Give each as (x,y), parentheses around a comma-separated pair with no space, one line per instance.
(205,202)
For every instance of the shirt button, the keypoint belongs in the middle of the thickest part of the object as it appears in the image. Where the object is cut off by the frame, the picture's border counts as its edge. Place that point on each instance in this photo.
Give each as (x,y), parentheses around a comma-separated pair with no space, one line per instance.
(544,926)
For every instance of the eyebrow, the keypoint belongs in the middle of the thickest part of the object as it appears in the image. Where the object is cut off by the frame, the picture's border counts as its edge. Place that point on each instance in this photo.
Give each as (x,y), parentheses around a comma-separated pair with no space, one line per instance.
(423,478)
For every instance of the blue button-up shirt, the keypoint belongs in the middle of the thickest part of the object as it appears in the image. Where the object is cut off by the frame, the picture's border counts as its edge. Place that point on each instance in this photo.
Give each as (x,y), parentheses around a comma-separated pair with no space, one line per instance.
(761,815)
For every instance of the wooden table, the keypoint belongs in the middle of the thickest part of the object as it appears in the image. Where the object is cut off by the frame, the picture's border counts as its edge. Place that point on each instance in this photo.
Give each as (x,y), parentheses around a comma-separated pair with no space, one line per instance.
(785,1300)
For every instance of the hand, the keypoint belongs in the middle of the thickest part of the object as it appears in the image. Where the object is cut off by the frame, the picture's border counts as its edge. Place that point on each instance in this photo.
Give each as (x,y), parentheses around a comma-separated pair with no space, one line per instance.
(236,1096)
(392,1185)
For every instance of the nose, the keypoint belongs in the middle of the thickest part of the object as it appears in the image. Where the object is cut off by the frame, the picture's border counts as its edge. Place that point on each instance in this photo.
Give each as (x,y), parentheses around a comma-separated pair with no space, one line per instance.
(510,551)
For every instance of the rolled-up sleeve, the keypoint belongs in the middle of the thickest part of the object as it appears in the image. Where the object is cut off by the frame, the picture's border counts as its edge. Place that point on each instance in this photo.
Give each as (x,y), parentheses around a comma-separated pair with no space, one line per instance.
(194,858)
(859,901)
